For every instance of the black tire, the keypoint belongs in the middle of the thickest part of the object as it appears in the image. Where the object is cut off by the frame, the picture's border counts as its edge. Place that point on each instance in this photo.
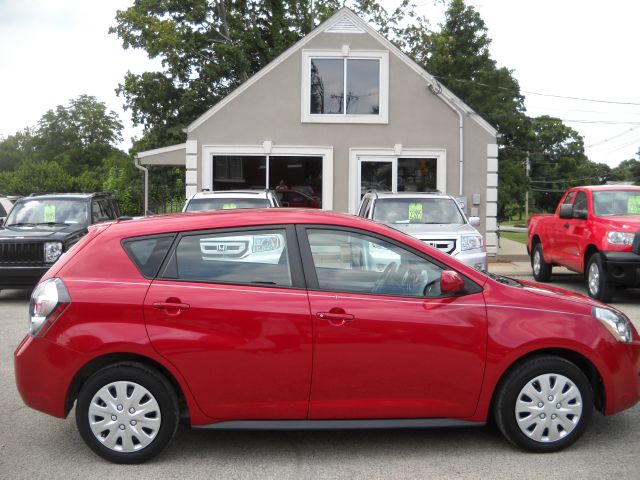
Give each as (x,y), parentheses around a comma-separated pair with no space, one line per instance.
(553,414)
(596,281)
(129,376)
(541,269)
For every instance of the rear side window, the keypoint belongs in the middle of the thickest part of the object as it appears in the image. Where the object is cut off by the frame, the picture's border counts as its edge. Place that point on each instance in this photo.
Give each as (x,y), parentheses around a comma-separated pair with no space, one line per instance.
(148,253)
(244,257)
(3,213)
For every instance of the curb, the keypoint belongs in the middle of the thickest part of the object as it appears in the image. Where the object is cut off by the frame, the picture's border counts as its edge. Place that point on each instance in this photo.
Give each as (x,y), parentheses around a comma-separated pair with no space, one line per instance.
(506,258)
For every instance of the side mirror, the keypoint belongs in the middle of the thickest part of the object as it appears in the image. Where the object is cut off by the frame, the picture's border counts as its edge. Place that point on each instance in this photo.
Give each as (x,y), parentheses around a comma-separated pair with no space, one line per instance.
(566,211)
(451,282)
(581,214)
(474,221)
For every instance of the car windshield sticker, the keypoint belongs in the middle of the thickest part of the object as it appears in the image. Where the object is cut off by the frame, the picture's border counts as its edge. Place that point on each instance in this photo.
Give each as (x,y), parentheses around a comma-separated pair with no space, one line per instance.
(229,206)
(633,205)
(415,212)
(49,213)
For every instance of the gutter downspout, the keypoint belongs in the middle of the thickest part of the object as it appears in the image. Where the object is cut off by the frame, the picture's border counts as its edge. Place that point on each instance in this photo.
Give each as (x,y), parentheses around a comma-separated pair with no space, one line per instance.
(136,161)
(436,90)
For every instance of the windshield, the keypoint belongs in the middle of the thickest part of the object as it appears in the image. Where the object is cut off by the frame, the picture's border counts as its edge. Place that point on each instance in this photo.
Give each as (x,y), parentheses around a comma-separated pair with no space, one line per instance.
(616,202)
(202,204)
(48,212)
(418,210)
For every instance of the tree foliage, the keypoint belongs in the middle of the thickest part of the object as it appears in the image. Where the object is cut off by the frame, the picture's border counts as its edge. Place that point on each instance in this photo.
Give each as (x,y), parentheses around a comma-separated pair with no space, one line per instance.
(72,149)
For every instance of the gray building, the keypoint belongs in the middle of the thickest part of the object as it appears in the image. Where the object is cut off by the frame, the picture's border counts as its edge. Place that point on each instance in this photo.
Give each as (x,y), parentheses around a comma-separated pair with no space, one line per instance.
(341,112)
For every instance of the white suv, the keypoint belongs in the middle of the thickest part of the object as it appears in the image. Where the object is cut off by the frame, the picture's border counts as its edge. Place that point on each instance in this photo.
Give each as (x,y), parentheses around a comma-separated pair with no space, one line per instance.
(231,199)
(434,218)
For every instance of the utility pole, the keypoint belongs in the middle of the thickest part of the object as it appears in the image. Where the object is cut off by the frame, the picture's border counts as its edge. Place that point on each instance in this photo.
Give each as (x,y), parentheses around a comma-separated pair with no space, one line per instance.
(526,194)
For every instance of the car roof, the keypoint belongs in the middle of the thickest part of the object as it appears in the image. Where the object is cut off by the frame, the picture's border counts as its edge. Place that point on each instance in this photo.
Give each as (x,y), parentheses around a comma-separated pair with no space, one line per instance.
(410,195)
(232,193)
(597,188)
(78,196)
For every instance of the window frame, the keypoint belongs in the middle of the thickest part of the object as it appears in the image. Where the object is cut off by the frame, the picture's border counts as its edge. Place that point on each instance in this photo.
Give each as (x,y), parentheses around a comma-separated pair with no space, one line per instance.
(293,252)
(345,54)
(311,277)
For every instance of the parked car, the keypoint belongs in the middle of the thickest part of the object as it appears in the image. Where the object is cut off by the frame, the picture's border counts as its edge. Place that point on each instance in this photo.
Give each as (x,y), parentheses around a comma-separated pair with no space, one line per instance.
(6,203)
(138,327)
(231,199)
(40,228)
(594,231)
(434,218)
(295,199)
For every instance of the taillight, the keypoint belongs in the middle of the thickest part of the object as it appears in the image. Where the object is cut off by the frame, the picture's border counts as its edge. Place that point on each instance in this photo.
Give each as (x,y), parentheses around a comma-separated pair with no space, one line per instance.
(48,301)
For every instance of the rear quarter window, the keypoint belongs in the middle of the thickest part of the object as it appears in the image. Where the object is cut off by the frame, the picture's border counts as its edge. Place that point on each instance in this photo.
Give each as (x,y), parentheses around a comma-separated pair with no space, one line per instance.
(148,253)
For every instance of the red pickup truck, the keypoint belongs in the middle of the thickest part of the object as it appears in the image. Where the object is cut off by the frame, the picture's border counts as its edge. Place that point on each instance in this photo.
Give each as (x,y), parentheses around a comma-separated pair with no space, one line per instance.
(594,231)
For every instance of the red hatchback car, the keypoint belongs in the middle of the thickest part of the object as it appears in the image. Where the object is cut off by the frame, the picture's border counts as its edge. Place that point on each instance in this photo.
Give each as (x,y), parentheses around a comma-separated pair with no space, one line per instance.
(308,319)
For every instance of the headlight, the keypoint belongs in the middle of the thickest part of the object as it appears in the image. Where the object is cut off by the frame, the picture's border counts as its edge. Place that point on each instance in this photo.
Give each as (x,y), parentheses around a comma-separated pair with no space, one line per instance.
(470,242)
(617,324)
(620,238)
(52,251)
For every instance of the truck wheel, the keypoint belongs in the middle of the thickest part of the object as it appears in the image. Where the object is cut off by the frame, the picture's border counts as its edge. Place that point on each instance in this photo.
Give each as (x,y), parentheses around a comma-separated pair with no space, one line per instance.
(597,285)
(541,269)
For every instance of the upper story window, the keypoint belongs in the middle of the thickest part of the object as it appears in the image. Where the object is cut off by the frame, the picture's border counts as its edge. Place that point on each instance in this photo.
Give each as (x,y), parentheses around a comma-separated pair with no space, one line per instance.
(345,86)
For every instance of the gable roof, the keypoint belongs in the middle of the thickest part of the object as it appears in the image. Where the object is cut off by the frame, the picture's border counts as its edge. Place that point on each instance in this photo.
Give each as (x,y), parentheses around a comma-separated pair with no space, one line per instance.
(346,21)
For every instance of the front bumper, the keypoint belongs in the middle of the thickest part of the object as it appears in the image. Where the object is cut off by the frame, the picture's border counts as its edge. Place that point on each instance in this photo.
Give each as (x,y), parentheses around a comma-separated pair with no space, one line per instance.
(622,268)
(475,259)
(21,276)
(623,382)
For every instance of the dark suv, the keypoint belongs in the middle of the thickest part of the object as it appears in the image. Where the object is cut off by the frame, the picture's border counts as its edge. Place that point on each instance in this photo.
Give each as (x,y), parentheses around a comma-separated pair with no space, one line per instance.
(42,227)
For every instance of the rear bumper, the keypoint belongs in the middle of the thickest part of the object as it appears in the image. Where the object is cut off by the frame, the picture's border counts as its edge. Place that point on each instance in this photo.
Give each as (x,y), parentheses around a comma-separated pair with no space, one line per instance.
(44,371)
(21,276)
(622,268)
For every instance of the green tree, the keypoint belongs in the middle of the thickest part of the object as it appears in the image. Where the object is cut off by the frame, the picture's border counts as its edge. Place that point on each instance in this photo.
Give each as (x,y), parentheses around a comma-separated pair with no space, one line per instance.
(37,177)
(558,162)
(16,149)
(77,136)
(627,171)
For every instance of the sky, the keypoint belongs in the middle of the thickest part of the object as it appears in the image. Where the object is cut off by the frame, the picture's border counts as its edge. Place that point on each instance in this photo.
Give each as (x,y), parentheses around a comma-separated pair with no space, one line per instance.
(54,51)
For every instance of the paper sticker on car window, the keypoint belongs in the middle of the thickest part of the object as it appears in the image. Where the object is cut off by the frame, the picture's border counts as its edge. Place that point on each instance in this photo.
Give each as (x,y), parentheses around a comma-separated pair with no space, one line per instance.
(229,206)
(633,205)
(49,213)
(415,211)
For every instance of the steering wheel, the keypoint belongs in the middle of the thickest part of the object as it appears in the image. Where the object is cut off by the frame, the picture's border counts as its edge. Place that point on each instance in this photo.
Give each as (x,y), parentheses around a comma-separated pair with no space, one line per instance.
(386,274)
(432,289)
(409,280)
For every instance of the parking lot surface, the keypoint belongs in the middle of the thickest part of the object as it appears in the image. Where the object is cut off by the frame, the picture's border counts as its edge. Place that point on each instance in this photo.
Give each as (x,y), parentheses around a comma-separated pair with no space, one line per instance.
(34,445)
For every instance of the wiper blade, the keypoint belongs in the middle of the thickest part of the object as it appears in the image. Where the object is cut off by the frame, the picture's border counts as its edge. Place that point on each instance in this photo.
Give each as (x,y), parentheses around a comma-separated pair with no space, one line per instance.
(20,224)
(51,223)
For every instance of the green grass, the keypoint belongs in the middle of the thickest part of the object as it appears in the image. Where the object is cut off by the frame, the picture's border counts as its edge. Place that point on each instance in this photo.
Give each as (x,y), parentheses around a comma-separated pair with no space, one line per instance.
(520,237)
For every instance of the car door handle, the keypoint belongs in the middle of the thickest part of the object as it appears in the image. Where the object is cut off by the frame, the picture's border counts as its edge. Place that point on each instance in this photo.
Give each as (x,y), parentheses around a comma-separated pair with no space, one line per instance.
(335,318)
(171,308)
(566,225)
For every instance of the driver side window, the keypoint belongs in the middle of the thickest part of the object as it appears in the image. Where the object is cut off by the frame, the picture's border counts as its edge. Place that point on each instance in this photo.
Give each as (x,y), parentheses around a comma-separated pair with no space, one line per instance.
(356,263)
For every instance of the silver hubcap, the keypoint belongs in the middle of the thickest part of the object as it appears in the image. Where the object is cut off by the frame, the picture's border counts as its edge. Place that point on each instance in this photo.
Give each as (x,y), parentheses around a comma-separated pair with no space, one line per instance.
(594,278)
(548,408)
(536,262)
(124,416)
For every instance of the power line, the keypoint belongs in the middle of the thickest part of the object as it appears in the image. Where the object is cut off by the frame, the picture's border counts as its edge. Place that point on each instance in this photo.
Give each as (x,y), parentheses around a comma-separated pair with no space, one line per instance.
(613,138)
(579,98)
(539,93)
